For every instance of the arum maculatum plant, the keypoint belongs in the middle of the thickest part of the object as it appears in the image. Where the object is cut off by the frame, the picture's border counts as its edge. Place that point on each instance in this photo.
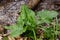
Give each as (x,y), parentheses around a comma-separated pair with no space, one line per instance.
(28,20)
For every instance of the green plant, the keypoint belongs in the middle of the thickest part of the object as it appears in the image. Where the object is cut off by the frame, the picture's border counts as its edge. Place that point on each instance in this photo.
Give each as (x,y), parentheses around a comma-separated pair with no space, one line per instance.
(25,21)
(46,17)
(28,21)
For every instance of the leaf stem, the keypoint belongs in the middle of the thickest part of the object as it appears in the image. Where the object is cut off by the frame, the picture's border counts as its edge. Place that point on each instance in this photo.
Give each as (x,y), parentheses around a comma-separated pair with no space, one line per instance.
(56,22)
(34,34)
(57,25)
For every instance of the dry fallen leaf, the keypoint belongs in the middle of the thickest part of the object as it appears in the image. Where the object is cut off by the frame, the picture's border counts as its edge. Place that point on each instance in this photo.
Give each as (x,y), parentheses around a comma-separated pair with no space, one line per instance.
(32,3)
(19,38)
(1,29)
(11,38)
(0,37)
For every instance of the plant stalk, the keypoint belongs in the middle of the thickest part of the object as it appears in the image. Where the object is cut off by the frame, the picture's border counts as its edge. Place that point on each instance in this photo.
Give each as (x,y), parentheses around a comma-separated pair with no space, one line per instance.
(34,34)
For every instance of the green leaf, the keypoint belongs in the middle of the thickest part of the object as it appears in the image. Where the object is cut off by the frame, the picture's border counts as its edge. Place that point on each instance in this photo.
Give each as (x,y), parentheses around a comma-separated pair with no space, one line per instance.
(46,15)
(11,27)
(30,16)
(20,22)
(17,31)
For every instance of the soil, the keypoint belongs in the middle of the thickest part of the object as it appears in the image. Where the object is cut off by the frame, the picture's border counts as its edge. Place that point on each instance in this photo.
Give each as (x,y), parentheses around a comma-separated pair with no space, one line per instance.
(9,9)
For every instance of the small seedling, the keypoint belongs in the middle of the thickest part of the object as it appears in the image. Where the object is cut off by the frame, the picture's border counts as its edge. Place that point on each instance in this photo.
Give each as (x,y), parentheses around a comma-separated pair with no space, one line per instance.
(28,21)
